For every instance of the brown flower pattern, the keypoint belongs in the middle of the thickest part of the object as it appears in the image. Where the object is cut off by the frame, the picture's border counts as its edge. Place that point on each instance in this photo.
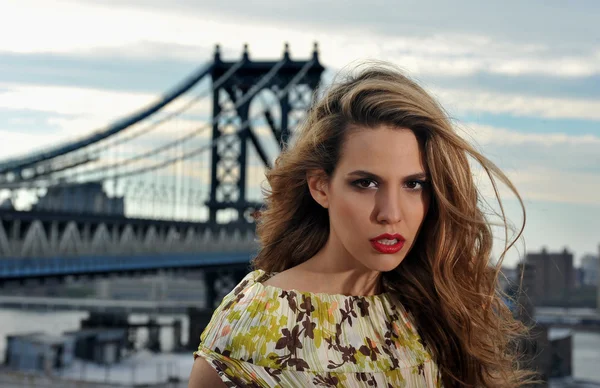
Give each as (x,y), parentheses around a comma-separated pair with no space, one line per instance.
(300,326)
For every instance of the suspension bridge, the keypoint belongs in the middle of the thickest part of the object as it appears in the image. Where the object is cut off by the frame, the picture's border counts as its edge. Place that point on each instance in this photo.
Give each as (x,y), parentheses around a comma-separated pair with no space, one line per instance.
(172,186)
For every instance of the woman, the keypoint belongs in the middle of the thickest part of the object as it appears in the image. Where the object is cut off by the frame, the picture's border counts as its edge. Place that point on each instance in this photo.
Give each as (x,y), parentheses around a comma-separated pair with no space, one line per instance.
(374,267)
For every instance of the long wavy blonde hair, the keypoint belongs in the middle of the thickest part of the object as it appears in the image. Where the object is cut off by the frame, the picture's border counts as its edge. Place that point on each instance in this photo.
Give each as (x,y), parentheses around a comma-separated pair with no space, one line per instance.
(447,280)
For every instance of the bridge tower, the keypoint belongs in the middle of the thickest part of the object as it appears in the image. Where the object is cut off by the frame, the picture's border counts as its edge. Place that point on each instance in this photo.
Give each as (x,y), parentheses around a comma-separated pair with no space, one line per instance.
(230,155)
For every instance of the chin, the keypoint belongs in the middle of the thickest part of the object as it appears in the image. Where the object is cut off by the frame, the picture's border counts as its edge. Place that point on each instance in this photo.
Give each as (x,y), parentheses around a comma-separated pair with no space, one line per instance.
(384,263)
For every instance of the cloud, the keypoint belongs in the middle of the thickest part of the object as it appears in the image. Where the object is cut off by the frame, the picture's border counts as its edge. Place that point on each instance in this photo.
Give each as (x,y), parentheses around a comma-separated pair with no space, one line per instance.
(125,68)
(522,84)
(28,120)
(460,54)
(185,32)
(571,26)
(73,101)
(59,20)
(83,111)
(487,134)
(546,184)
(72,112)
(547,167)
(192,29)
(538,183)
(18,143)
(460,101)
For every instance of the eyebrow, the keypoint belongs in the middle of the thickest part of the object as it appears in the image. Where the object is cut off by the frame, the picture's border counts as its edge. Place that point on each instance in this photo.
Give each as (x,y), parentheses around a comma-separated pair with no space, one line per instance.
(366,174)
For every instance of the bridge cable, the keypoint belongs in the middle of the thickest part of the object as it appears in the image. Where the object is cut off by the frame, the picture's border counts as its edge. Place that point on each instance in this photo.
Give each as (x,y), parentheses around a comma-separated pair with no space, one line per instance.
(217,84)
(118,126)
(96,152)
(280,94)
(214,142)
(245,98)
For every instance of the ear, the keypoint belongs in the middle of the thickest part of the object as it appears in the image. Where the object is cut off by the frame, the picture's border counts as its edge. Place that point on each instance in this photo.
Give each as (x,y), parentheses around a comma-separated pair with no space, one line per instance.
(318,186)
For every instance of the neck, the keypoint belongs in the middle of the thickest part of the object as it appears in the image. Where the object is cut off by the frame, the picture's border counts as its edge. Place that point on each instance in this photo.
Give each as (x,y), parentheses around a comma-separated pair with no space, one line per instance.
(335,271)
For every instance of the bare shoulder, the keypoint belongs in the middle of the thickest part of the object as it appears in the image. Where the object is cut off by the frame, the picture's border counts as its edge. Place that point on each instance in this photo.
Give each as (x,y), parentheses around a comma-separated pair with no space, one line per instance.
(284,279)
(295,278)
(204,376)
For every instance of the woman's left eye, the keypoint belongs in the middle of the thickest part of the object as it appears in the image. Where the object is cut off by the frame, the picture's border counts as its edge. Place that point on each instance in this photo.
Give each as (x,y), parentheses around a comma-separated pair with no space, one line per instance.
(416,185)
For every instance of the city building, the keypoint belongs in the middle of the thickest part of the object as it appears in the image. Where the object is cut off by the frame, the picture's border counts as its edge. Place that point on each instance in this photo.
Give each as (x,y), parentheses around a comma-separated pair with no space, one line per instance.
(507,277)
(44,352)
(39,351)
(560,353)
(523,291)
(154,288)
(88,197)
(103,346)
(554,277)
(546,350)
(589,268)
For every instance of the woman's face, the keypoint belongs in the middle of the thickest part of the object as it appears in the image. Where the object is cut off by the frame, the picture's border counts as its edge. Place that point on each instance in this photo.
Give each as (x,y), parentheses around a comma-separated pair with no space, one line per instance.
(377,197)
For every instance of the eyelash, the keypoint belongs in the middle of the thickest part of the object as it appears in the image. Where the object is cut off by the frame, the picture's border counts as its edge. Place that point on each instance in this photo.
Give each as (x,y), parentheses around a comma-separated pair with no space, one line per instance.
(357,183)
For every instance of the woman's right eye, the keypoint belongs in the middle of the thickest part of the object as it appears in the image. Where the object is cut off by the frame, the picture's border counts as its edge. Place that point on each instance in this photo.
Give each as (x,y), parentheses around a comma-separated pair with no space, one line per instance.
(365,183)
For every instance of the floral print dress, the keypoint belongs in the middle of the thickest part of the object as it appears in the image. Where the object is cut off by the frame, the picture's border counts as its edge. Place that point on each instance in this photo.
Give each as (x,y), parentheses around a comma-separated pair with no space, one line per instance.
(264,336)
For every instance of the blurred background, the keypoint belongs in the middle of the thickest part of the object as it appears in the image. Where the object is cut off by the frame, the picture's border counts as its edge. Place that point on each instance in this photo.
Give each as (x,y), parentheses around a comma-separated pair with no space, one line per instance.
(134,136)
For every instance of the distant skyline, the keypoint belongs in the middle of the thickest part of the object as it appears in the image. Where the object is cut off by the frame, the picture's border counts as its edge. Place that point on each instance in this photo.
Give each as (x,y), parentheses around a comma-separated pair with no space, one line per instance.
(521,79)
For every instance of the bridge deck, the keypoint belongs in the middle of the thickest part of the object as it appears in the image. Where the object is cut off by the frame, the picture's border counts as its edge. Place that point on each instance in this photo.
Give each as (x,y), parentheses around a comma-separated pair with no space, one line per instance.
(89,265)
(99,305)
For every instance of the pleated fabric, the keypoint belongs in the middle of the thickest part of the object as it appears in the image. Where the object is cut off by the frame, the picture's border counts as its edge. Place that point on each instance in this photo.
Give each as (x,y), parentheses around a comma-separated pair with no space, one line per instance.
(264,336)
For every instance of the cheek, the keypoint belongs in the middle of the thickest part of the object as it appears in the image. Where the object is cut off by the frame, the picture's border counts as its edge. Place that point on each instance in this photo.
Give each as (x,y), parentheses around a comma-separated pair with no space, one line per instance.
(340,213)
(351,212)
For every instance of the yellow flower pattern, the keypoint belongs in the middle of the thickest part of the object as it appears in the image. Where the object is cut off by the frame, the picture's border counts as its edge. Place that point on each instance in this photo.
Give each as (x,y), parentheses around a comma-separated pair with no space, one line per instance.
(264,336)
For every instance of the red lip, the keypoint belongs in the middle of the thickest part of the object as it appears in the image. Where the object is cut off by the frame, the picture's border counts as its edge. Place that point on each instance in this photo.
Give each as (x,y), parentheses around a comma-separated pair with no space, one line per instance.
(388,249)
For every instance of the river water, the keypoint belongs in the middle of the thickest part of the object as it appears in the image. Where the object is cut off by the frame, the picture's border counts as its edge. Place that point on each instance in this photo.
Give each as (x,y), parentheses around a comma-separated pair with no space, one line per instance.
(586,346)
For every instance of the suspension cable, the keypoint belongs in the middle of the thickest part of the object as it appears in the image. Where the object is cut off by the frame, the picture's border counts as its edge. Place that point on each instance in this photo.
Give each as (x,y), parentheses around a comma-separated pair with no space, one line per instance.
(245,98)
(118,126)
(213,143)
(217,84)
(280,95)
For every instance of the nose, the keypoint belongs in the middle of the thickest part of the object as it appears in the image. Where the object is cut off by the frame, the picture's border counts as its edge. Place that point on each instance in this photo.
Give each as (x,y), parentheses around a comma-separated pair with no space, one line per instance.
(388,208)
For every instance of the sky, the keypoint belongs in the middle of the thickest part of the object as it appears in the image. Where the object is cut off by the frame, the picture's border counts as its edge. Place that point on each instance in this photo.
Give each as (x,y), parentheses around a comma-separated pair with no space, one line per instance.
(521,79)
